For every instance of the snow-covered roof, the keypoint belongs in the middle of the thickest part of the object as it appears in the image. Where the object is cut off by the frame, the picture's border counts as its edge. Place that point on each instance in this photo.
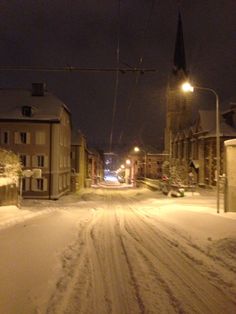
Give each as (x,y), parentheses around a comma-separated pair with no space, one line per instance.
(207,123)
(231,142)
(77,136)
(47,107)
(207,120)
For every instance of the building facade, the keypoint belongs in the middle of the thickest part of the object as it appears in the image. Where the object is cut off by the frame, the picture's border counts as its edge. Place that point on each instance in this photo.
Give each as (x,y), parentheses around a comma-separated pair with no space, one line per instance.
(79,160)
(189,141)
(95,166)
(36,125)
(195,147)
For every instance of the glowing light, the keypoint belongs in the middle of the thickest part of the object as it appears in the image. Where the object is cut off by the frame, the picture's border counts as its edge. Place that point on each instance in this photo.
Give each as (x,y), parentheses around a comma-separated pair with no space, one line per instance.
(128,162)
(187,87)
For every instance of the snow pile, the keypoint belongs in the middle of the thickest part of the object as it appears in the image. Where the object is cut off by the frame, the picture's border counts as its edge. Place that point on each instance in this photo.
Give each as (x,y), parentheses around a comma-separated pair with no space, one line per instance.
(6,181)
(11,215)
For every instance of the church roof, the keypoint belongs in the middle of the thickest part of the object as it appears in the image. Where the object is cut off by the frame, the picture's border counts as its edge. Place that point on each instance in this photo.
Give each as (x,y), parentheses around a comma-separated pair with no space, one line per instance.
(179,53)
(207,123)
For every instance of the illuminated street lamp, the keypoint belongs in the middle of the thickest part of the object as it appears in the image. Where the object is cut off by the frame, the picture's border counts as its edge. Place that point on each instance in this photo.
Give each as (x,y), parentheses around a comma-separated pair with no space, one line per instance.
(137,149)
(187,87)
(128,162)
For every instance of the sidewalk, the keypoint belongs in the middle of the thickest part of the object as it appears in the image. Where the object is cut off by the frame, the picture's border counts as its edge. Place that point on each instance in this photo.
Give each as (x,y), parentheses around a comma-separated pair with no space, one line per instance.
(11,215)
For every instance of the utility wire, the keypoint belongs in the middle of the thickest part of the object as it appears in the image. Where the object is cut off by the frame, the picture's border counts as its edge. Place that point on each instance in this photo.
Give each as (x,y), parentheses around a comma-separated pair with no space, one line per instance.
(138,74)
(116,78)
(122,70)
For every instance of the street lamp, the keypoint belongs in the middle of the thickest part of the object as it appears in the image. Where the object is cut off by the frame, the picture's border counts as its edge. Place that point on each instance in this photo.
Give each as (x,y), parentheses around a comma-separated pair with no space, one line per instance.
(137,149)
(187,87)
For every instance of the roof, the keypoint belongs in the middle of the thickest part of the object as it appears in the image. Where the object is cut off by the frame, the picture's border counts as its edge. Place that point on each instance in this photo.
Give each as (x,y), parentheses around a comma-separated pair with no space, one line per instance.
(231,142)
(207,123)
(44,108)
(77,137)
(179,53)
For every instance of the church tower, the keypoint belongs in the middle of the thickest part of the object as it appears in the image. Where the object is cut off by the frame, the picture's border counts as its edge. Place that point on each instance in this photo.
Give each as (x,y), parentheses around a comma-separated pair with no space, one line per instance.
(178,113)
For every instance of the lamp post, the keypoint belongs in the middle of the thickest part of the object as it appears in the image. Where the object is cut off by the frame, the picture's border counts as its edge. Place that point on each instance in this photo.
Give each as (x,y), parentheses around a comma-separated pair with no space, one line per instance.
(187,87)
(137,149)
(127,171)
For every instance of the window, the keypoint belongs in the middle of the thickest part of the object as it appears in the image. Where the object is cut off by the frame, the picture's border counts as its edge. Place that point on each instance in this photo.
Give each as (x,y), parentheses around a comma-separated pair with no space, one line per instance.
(40,161)
(5,137)
(60,182)
(26,111)
(40,138)
(39,184)
(23,160)
(22,137)
(25,184)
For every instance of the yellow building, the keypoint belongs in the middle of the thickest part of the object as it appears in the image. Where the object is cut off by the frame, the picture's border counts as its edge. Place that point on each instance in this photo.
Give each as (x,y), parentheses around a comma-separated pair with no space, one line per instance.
(36,125)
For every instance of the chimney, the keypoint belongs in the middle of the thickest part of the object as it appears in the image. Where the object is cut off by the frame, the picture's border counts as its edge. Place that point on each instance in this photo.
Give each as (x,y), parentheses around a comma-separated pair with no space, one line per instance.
(38,89)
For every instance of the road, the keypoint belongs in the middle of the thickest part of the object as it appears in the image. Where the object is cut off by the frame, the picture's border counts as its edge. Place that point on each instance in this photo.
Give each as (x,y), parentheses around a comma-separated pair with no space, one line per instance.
(110,254)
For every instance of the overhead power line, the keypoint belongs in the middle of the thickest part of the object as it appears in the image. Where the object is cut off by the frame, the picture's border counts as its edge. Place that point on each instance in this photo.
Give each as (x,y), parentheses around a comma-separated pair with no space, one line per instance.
(122,70)
(137,74)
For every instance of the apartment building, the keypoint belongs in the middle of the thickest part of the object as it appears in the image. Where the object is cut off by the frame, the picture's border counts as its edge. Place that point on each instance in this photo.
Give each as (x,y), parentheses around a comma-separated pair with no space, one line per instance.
(36,125)
(79,160)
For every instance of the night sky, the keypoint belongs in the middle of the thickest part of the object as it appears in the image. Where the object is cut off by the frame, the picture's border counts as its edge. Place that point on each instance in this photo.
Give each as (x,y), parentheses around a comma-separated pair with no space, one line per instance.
(83,33)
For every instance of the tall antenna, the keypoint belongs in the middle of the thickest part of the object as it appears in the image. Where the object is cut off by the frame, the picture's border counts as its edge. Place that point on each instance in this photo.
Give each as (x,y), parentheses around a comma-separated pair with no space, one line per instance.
(138,74)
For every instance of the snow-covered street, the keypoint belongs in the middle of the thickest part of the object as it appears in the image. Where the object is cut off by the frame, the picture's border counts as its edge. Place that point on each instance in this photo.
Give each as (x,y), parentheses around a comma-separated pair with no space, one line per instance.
(118,251)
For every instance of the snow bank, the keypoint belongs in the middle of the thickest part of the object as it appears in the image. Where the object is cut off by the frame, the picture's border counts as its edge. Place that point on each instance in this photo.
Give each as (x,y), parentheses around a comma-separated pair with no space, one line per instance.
(6,181)
(11,215)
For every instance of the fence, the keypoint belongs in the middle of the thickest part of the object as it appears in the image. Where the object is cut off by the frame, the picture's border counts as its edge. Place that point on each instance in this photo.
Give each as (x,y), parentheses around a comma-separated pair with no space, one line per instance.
(9,194)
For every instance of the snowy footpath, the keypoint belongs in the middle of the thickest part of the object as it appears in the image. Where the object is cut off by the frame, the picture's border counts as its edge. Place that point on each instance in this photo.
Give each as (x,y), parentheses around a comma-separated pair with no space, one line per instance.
(118,251)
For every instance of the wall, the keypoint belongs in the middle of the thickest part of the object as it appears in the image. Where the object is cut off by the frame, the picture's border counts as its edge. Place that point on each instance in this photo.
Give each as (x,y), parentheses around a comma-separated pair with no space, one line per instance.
(8,195)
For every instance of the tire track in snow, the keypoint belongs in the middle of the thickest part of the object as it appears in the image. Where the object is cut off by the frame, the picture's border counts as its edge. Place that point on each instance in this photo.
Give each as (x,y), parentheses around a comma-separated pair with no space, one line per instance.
(74,262)
(188,277)
(134,281)
(221,274)
(123,244)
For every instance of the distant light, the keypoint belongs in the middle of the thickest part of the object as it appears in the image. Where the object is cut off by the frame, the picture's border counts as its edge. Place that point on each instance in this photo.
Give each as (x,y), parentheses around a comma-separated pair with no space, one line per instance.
(122,166)
(136,149)
(187,87)
(128,162)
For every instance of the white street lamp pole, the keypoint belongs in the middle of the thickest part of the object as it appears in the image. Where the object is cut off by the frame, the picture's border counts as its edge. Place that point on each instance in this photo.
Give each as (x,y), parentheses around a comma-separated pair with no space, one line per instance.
(189,88)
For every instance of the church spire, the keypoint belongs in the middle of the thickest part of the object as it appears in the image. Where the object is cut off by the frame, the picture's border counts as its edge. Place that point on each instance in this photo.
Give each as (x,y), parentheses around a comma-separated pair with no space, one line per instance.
(179,54)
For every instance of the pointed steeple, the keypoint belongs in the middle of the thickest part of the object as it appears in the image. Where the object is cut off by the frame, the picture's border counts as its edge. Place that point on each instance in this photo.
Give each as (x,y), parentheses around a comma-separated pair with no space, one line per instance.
(179,54)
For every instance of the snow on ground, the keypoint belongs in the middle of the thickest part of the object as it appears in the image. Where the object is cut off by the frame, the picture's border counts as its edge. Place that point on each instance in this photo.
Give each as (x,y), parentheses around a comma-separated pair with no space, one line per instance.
(118,250)
(6,181)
